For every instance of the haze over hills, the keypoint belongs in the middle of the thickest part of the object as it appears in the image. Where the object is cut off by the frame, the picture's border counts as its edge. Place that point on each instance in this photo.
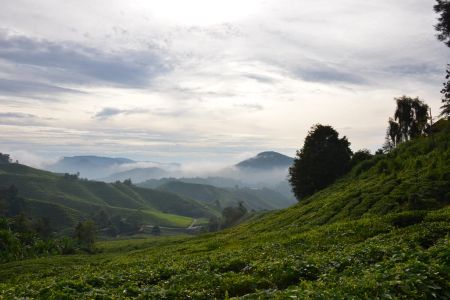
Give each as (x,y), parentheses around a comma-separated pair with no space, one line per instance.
(266,170)
(137,175)
(252,198)
(88,166)
(111,169)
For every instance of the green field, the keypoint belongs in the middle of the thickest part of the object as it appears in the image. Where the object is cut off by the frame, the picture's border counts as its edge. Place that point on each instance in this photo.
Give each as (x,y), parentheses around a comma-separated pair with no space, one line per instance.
(381,232)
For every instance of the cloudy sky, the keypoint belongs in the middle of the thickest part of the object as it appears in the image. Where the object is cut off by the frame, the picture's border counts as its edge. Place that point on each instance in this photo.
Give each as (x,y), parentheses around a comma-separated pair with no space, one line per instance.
(207,80)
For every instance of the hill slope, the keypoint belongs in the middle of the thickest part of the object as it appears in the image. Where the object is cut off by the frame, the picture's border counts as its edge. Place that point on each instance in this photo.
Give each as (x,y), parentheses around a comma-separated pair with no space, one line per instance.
(136,175)
(66,200)
(256,199)
(381,232)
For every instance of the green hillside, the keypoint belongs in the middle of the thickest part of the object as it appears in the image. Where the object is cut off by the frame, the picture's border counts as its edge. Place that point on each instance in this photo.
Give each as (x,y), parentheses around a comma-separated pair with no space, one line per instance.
(66,200)
(382,232)
(256,199)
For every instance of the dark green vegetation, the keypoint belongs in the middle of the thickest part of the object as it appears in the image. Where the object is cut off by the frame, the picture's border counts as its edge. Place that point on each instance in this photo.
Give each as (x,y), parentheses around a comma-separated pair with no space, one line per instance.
(382,231)
(66,199)
(323,158)
(446,95)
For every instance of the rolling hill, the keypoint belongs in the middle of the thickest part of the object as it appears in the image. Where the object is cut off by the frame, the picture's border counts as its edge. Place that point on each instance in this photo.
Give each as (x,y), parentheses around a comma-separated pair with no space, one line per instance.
(66,200)
(381,232)
(136,175)
(253,199)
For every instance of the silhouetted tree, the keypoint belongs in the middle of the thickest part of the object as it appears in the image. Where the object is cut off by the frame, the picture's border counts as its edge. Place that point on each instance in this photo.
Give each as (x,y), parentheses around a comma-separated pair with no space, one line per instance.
(156,230)
(446,96)
(410,121)
(443,27)
(323,158)
(128,182)
(5,158)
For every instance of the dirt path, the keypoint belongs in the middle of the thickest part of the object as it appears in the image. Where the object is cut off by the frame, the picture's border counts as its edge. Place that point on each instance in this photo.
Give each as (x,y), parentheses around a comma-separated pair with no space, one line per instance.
(192,224)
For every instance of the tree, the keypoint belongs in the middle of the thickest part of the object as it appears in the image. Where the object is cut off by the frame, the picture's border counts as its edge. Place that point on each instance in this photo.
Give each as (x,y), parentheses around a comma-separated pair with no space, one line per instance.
(85,233)
(410,121)
(443,26)
(446,96)
(214,224)
(231,215)
(156,230)
(5,158)
(323,158)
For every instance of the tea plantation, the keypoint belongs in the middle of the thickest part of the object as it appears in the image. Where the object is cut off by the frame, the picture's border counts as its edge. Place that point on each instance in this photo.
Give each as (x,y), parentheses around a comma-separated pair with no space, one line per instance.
(382,232)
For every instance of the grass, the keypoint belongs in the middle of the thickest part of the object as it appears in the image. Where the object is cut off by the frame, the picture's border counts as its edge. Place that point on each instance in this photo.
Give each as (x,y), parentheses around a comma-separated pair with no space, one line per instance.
(170,219)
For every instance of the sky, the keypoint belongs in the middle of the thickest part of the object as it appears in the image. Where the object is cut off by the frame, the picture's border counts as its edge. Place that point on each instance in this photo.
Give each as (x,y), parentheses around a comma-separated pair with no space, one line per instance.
(207,81)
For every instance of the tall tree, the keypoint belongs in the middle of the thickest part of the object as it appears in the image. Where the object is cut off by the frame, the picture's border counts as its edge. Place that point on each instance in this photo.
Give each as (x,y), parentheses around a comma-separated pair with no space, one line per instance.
(443,26)
(323,158)
(446,96)
(393,134)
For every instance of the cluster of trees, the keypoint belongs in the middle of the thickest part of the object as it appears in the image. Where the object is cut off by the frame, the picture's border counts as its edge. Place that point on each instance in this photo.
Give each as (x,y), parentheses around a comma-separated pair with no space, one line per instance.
(230,216)
(6,159)
(113,225)
(23,237)
(324,158)
(411,120)
(69,176)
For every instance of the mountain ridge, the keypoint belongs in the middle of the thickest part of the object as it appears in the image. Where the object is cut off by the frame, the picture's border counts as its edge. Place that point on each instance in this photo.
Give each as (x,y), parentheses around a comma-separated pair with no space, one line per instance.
(265,161)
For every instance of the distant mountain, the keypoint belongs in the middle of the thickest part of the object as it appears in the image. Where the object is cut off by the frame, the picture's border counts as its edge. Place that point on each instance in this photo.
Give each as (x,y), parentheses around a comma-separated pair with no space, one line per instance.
(88,166)
(266,161)
(137,175)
